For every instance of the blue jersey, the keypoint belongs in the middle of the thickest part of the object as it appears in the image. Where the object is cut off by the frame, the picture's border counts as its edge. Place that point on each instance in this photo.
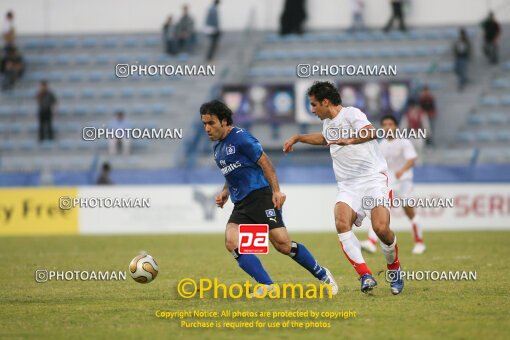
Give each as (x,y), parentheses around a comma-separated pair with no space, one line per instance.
(236,155)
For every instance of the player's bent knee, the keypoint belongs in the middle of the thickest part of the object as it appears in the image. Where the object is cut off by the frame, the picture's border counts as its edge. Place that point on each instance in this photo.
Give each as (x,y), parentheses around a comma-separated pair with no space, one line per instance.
(342,225)
(380,227)
(230,245)
(283,248)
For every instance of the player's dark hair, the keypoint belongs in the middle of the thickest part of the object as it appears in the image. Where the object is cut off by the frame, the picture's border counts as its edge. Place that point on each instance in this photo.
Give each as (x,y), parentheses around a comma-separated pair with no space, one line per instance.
(218,109)
(325,90)
(390,117)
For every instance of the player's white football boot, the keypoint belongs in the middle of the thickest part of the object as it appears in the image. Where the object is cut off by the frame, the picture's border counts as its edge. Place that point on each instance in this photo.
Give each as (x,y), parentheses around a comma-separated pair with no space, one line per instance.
(419,248)
(368,246)
(329,279)
(259,292)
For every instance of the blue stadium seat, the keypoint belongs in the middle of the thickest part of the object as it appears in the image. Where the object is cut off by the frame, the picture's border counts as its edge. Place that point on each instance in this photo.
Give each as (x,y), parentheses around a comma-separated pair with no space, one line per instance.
(489,100)
(158,108)
(76,76)
(146,92)
(476,119)
(501,83)
(107,93)
(465,136)
(62,59)
(102,59)
(503,136)
(87,93)
(69,42)
(485,136)
(90,42)
(505,100)
(82,59)
(129,42)
(498,118)
(152,41)
(108,42)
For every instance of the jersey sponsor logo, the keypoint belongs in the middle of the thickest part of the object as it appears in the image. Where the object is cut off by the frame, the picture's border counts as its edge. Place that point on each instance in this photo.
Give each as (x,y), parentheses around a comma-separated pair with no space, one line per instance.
(231,150)
(229,168)
(270,213)
(253,239)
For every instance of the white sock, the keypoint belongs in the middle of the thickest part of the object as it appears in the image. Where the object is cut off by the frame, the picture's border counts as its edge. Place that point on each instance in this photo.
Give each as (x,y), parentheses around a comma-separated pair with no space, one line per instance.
(391,254)
(351,246)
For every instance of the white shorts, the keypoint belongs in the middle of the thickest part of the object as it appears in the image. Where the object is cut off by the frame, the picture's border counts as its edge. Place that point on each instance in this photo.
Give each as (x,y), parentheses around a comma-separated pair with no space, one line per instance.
(361,193)
(403,189)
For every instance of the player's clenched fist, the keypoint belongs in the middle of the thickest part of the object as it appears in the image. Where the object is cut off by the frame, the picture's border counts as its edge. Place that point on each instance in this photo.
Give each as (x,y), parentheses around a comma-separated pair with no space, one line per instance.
(278,199)
(222,198)
(287,146)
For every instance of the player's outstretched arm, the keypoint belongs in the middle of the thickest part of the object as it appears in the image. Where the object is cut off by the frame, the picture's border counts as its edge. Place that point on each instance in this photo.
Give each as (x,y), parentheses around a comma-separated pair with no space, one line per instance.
(222,197)
(408,165)
(267,167)
(312,138)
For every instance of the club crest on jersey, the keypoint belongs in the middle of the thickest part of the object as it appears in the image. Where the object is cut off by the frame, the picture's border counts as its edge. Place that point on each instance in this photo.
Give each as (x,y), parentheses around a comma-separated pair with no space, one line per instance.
(270,213)
(231,150)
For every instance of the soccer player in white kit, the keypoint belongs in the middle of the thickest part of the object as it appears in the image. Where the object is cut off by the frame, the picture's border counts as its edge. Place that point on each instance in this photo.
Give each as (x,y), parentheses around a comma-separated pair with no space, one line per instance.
(360,171)
(400,156)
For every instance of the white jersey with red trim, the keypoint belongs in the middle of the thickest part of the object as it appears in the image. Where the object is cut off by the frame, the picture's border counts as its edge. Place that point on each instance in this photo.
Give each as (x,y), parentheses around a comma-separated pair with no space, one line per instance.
(357,160)
(397,152)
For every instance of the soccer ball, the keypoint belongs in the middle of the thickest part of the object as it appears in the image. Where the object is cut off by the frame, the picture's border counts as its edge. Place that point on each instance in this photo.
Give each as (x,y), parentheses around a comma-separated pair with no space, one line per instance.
(143,268)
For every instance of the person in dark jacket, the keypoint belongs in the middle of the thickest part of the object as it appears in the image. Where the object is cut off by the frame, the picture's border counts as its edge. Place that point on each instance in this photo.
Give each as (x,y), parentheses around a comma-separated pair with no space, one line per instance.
(491,35)
(293,17)
(462,53)
(212,29)
(46,101)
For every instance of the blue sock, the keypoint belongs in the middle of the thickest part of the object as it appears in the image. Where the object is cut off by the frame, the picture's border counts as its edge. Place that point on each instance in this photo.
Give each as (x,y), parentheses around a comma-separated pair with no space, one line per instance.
(301,255)
(252,265)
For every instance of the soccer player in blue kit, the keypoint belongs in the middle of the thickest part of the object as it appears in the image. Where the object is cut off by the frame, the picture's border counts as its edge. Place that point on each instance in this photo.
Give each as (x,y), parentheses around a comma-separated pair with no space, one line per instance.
(251,183)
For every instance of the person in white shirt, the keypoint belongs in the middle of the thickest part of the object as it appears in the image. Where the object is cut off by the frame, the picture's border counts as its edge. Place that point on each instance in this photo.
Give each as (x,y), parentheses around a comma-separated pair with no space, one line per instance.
(360,171)
(119,123)
(401,157)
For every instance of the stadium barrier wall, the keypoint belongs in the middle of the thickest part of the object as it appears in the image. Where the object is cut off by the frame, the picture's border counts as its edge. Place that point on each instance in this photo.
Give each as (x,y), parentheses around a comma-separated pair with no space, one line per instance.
(191,209)
(35,211)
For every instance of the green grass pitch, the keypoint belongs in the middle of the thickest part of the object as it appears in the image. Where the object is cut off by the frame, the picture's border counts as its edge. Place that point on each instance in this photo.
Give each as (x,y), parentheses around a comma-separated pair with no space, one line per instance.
(126,309)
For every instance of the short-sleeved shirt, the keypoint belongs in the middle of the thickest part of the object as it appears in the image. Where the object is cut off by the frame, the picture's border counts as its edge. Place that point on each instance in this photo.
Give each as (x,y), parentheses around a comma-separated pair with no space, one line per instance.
(357,160)
(237,155)
(397,152)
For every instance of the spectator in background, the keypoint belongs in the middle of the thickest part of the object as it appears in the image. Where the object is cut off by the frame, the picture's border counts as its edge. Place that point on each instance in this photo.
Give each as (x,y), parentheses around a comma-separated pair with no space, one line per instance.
(12,66)
(462,53)
(8,31)
(413,120)
(397,12)
(104,176)
(491,35)
(119,123)
(358,23)
(46,102)
(212,29)
(185,30)
(427,103)
(170,36)
(293,17)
